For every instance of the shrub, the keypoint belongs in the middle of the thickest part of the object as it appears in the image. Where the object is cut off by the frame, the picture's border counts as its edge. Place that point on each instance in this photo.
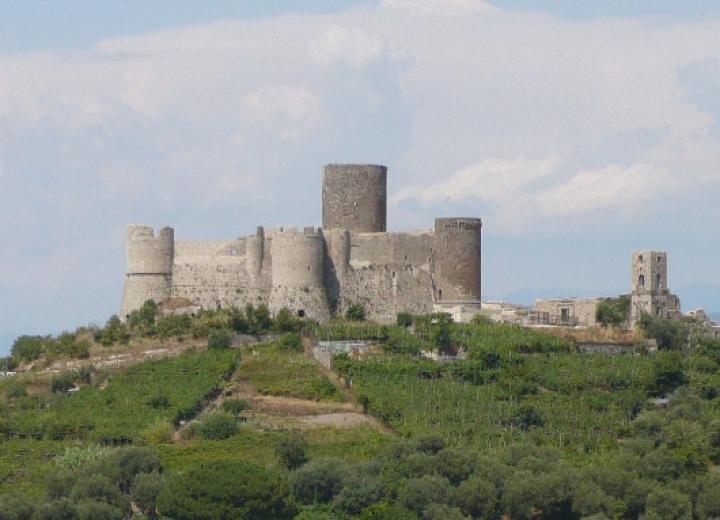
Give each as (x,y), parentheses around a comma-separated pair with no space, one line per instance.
(477,497)
(357,493)
(225,489)
(28,348)
(159,432)
(115,331)
(61,509)
(259,319)
(323,388)
(319,480)
(16,507)
(235,406)
(143,319)
(8,364)
(285,321)
(218,425)
(613,311)
(668,372)
(404,319)
(291,341)
(669,334)
(356,312)
(98,511)
(85,374)
(159,401)
(219,339)
(431,443)
(527,417)
(15,390)
(145,490)
(417,493)
(174,325)
(292,450)
(61,383)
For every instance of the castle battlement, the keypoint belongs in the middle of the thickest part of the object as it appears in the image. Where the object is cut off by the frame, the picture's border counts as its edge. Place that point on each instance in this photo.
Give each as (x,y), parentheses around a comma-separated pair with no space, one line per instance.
(316,271)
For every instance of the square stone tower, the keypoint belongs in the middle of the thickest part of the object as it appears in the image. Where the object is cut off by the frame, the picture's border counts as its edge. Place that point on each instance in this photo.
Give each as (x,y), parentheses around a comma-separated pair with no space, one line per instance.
(650,292)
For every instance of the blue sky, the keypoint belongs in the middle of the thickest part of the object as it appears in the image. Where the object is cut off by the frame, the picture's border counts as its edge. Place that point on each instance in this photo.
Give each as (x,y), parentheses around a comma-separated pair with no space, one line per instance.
(579,132)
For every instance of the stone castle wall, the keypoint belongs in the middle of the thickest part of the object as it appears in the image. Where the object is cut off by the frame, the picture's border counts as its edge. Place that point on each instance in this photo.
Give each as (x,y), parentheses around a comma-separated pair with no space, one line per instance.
(314,272)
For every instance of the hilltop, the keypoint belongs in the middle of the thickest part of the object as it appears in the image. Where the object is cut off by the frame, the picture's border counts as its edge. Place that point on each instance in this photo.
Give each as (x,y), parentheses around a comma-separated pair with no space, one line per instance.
(228,414)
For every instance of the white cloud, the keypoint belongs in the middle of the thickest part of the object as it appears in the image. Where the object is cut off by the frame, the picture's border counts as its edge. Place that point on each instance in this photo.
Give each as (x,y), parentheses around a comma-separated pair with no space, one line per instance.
(614,186)
(491,180)
(341,45)
(439,7)
(288,111)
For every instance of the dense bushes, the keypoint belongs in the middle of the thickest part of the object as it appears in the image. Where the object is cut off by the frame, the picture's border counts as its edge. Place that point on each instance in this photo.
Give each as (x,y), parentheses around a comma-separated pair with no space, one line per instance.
(225,489)
(613,312)
(669,334)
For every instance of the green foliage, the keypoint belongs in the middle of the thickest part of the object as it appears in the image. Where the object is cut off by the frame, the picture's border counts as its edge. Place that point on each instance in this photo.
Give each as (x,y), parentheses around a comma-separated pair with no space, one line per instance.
(28,348)
(235,406)
(220,339)
(613,312)
(355,312)
(284,321)
(258,319)
(8,364)
(145,490)
(668,372)
(218,425)
(319,480)
(292,450)
(291,341)
(275,371)
(121,410)
(143,319)
(668,504)
(115,331)
(159,432)
(225,490)
(67,345)
(173,325)
(416,494)
(61,383)
(15,390)
(16,507)
(669,334)
(404,319)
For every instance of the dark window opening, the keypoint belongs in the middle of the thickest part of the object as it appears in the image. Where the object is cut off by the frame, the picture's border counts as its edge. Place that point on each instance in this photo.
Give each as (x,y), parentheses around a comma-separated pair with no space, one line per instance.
(564,315)
(657,281)
(641,280)
(301,313)
(439,294)
(640,258)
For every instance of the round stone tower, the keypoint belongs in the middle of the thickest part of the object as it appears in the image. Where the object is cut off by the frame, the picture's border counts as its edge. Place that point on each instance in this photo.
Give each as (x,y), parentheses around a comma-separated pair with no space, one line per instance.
(456,260)
(297,272)
(149,266)
(354,197)
(254,250)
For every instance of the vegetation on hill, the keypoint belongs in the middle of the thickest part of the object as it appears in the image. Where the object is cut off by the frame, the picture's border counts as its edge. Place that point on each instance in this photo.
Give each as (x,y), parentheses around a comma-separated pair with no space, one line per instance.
(519,425)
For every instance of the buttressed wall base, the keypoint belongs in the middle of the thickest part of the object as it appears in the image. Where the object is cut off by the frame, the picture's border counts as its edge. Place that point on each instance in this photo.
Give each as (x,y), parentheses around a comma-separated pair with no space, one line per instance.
(315,272)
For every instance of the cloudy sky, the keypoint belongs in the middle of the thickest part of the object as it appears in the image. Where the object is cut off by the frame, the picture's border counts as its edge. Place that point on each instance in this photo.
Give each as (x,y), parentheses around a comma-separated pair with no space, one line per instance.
(577,132)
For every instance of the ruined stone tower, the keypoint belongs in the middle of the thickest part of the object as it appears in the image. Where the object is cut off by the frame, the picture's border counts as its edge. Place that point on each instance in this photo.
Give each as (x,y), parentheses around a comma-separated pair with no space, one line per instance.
(650,292)
(354,197)
(149,266)
(457,261)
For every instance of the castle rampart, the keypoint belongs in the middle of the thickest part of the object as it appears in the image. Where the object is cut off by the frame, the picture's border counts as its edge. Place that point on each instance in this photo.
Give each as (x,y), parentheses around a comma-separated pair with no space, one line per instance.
(314,272)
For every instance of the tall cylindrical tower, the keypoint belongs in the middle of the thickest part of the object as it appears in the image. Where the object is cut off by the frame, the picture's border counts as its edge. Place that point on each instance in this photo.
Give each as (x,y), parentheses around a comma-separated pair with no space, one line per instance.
(457,260)
(298,258)
(149,266)
(354,197)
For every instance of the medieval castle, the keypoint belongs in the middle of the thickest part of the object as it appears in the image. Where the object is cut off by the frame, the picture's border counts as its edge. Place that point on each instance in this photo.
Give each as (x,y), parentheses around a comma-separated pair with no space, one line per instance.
(353,259)
(316,272)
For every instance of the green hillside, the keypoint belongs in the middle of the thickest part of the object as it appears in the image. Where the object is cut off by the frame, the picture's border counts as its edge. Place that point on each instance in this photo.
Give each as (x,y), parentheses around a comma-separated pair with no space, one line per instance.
(198,425)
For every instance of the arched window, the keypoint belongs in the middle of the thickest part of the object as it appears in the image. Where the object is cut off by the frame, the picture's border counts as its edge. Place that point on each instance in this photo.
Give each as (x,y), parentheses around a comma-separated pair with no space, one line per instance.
(641,280)
(657,281)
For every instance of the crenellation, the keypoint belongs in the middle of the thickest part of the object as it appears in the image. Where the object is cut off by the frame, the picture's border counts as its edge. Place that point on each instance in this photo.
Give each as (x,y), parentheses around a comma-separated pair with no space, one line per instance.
(313,271)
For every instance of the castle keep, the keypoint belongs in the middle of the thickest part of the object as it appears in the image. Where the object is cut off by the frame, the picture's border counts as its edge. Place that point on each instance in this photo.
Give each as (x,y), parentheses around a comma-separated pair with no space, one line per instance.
(315,272)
